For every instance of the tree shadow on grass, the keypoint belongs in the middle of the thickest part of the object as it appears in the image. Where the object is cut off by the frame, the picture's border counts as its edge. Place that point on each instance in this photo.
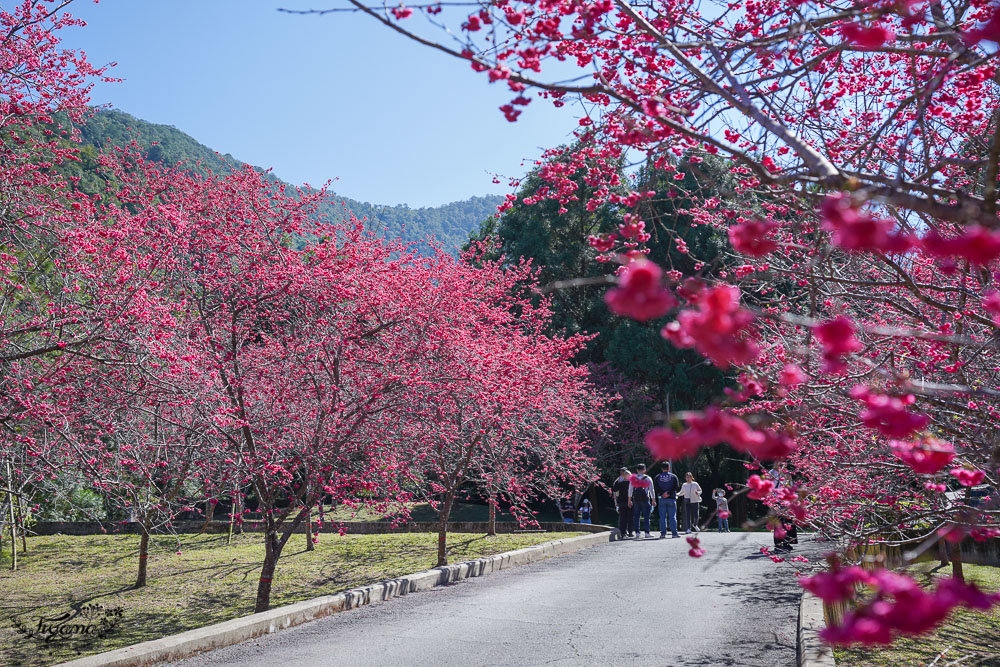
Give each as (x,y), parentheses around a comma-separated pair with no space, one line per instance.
(137,625)
(22,646)
(86,551)
(456,544)
(90,551)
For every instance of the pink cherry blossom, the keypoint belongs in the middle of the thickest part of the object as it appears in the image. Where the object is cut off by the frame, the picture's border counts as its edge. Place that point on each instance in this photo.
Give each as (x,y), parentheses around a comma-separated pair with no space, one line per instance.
(717,327)
(666,444)
(889,415)
(976,244)
(837,338)
(640,293)
(925,457)
(750,238)
(791,376)
(761,488)
(695,551)
(968,477)
(855,230)
(867,37)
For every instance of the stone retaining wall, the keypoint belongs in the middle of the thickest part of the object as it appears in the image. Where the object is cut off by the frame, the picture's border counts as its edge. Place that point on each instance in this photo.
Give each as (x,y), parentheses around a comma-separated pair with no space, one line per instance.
(349,527)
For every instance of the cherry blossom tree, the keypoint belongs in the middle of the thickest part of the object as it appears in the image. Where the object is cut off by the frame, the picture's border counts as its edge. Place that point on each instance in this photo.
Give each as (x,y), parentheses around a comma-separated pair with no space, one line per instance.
(862,141)
(298,350)
(71,289)
(501,407)
(180,335)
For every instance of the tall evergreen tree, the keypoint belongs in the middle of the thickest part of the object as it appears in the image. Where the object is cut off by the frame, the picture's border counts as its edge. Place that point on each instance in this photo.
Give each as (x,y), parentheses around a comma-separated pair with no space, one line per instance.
(556,243)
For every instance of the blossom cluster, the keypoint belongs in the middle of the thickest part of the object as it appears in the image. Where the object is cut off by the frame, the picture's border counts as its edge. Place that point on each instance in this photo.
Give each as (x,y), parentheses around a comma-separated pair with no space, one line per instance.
(898,605)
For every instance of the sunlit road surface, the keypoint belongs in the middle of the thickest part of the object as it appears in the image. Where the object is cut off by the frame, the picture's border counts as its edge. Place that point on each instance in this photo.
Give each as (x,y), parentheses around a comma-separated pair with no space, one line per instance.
(642,602)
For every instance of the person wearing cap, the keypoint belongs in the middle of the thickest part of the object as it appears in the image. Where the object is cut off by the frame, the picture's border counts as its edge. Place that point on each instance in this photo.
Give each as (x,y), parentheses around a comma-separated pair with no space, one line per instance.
(640,492)
(619,489)
(567,510)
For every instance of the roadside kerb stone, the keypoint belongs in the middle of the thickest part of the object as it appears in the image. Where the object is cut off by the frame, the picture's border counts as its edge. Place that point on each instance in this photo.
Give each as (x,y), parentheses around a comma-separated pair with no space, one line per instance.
(813,652)
(211,637)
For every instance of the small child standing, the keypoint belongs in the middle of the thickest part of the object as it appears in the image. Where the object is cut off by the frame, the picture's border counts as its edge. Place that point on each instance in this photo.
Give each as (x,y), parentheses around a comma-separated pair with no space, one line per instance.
(721,509)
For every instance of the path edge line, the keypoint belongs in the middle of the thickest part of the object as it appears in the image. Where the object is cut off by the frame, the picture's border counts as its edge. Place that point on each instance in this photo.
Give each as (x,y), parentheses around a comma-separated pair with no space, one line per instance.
(237,630)
(813,651)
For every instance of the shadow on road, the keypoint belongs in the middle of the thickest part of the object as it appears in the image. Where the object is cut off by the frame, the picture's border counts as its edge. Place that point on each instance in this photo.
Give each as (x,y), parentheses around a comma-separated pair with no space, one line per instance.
(781,589)
(743,653)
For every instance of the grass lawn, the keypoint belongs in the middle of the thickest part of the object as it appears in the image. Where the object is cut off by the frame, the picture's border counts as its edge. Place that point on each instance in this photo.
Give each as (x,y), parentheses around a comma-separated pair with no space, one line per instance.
(969,637)
(196,580)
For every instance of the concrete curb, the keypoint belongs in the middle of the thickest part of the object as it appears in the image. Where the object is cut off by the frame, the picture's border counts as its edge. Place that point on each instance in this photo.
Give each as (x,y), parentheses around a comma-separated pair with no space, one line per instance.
(227,633)
(813,652)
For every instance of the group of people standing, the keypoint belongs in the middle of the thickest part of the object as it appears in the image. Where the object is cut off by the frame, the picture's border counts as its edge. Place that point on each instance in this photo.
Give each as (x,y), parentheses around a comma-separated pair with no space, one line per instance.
(570,513)
(636,495)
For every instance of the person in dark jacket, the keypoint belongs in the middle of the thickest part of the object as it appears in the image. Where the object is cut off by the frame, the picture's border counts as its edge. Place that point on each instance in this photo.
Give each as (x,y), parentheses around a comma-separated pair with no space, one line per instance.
(568,510)
(619,489)
(667,485)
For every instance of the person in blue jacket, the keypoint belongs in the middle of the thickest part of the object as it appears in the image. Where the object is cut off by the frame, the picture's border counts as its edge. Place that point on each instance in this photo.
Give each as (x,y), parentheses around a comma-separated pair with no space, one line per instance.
(667,485)
(585,510)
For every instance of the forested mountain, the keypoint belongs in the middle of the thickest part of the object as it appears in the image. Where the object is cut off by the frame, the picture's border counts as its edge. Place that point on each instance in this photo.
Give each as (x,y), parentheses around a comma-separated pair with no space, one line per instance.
(450,224)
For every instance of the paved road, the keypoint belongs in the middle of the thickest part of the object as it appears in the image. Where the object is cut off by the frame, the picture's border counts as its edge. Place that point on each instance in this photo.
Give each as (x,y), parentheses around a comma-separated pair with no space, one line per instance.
(643,602)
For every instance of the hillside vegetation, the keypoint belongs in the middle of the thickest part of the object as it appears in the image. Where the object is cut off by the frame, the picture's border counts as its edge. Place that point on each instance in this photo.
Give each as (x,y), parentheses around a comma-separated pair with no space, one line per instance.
(450,224)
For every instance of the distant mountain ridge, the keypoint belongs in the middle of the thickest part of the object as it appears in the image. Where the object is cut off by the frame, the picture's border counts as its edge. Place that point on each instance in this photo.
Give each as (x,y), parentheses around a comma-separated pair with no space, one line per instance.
(450,224)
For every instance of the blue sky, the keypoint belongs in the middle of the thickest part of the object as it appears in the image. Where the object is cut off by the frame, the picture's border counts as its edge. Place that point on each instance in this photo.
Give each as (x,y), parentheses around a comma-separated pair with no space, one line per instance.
(315,97)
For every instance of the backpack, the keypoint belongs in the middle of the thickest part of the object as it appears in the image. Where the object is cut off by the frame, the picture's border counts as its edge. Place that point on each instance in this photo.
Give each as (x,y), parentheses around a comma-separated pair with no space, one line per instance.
(640,494)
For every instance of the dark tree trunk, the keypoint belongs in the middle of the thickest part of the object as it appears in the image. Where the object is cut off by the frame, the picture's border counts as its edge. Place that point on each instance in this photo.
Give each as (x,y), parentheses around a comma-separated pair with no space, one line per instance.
(273,546)
(491,529)
(956,562)
(240,507)
(956,554)
(443,529)
(272,551)
(140,578)
(309,532)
